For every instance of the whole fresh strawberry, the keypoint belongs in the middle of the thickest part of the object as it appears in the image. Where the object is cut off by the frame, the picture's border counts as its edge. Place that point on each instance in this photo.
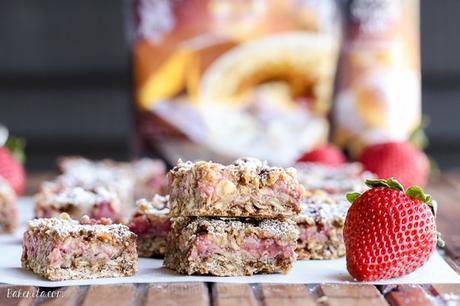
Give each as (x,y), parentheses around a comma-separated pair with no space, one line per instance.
(401,160)
(389,232)
(327,155)
(11,158)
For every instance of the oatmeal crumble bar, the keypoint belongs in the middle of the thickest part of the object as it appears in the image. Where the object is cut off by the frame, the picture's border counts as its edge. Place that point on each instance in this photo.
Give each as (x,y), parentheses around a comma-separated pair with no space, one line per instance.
(63,249)
(147,176)
(246,188)
(8,209)
(336,180)
(321,226)
(97,202)
(151,224)
(230,247)
(78,171)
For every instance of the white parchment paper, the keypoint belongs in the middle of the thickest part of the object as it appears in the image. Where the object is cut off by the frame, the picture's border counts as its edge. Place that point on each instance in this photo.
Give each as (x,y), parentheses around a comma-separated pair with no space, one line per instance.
(436,270)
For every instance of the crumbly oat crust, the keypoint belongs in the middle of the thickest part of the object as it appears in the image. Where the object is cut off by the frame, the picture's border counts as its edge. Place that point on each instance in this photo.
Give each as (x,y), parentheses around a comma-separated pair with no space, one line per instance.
(321,226)
(247,188)
(63,249)
(335,180)
(8,209)
(55,198)
(151,224)
(230,247)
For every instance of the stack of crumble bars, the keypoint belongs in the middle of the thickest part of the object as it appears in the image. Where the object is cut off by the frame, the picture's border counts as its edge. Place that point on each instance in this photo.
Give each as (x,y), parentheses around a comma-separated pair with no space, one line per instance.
(232,220)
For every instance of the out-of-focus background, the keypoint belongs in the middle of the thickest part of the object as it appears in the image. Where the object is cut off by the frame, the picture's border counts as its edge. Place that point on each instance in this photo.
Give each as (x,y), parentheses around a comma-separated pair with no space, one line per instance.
(65,78)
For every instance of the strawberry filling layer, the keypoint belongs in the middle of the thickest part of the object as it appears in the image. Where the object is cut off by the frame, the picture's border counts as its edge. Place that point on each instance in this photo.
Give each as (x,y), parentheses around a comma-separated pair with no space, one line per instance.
(144,227)
(251,245)
(318,234)
(71,251)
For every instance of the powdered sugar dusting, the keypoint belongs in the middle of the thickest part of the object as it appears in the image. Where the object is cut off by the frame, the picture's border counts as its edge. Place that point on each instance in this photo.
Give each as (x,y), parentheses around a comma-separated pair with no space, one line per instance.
(242,164)
(58,196)
(66,227)
(340,180)
(158,205)
(322,207)
(267,227)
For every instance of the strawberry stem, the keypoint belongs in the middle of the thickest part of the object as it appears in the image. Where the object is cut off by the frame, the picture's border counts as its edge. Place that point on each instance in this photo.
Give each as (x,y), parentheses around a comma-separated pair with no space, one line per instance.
(16,147)
(352,196)
(417,193)
(388,183)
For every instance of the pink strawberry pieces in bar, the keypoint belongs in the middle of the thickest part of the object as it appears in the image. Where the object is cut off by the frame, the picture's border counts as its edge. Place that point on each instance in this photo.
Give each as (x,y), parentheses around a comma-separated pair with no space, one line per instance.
(256,247)
(143,226)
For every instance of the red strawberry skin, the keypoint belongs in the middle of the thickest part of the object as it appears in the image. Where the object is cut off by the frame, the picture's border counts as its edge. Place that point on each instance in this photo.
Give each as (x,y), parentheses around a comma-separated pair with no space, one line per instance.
(400,160)
(12,171)
(327,155)
(387,234)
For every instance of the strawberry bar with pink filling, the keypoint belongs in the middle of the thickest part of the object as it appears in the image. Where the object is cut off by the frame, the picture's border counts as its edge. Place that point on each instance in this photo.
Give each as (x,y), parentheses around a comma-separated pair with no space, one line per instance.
(230,247)
(321,226)
(63,249)
(145,177)
(98,202)
(334,180)
(151,224)
(246,188)
(8,209)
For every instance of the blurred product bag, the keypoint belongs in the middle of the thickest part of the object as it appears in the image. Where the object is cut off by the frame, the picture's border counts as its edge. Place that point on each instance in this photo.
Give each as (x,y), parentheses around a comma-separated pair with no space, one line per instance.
(220,79)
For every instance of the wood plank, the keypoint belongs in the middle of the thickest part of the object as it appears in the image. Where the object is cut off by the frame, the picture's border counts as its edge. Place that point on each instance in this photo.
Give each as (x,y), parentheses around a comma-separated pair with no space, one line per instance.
(105,295)
(350,291)
(233,294)
(408,295)
(351,295)
(192,294)
(16,295)
(445,192)
(449,293)
(67,296)
(353,301)
(286,295)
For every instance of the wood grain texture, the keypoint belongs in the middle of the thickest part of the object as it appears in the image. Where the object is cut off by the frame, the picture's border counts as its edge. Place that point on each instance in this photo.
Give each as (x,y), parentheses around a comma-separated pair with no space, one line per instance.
(449,293)
(12,295)
(193,294)
(351,291)
(351,295)
(68,296)
(445,190)
(110,295)
(408,295)
(233,294)
(286,295)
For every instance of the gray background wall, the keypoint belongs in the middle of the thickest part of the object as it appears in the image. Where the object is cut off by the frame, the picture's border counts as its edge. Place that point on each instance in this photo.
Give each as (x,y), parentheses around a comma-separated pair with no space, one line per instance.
(65,78)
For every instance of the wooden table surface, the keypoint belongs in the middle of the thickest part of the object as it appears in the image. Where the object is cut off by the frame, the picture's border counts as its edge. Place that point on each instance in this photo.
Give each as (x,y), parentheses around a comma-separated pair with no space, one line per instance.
(445,189)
